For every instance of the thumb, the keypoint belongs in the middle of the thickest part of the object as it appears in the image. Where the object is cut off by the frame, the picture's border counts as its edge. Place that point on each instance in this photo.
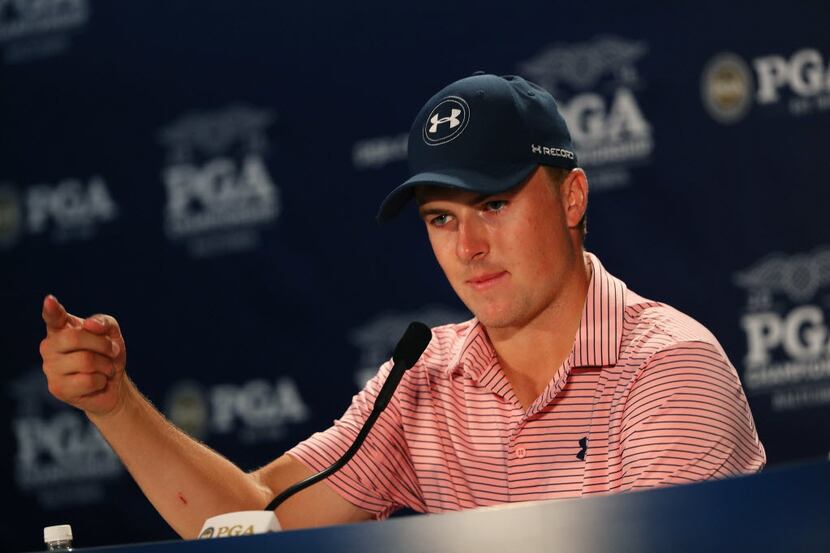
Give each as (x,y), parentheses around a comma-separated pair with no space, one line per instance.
(55,316)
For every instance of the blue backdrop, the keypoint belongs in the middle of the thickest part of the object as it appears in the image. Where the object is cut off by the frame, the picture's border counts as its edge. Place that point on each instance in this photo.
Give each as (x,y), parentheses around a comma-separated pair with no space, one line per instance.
(209,174)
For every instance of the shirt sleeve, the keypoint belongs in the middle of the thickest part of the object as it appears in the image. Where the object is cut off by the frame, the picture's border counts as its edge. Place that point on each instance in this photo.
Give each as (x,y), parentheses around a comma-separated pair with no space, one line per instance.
(687,419)
(380,478)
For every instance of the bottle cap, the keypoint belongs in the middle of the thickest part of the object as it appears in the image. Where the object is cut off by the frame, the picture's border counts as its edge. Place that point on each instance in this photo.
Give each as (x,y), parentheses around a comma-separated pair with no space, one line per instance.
(61,532)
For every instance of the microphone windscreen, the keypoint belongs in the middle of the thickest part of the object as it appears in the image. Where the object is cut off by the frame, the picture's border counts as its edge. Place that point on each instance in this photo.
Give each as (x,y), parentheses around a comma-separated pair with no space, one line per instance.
(412,344)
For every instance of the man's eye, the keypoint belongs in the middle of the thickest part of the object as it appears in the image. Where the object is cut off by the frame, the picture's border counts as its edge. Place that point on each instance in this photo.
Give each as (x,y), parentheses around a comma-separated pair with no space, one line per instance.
(439,220)
(495,205)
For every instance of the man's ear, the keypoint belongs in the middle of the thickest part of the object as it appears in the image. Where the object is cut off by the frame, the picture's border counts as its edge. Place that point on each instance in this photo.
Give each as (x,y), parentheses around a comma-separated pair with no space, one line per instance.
(574,195)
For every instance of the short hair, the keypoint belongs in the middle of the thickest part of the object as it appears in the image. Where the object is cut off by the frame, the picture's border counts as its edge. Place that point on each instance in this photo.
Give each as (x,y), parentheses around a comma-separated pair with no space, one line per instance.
(556,176)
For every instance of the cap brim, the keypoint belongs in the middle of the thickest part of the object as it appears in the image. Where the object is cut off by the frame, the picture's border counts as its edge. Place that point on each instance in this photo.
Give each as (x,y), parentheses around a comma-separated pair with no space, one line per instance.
(453,178)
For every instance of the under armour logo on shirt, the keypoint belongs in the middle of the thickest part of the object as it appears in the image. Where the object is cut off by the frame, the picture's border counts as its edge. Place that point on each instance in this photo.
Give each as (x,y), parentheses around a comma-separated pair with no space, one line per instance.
(453,120)
(583,443)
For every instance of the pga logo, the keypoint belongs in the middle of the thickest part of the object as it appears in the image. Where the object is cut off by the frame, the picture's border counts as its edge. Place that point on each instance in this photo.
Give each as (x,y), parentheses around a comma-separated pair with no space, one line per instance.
(254,411)
(219,183)
(226,531)
(593,120)
(728,89)
(23,18)
(257,403)
(798,330)
(63,439)
(219,190)
(801,333)
(70,205)
(804,73)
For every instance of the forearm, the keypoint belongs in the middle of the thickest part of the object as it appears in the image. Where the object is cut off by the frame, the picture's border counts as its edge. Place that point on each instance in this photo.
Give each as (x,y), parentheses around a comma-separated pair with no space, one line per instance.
(185,480)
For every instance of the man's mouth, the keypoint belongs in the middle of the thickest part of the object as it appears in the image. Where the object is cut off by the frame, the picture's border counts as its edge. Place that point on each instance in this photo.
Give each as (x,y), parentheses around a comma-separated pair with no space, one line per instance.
(485,281)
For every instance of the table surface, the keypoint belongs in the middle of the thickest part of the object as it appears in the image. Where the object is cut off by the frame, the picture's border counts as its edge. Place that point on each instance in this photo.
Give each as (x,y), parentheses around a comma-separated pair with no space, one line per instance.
(781,509)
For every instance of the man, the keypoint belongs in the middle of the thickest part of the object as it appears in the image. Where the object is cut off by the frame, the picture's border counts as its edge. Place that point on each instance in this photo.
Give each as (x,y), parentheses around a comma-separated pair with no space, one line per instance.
(565,384)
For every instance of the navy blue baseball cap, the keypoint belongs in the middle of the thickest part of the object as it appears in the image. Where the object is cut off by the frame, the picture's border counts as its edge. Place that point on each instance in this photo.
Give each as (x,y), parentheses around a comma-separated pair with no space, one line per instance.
(484,134)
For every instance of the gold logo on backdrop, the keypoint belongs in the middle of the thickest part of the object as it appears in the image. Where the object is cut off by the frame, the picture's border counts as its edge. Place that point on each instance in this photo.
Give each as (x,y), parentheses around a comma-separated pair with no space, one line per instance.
(726,88)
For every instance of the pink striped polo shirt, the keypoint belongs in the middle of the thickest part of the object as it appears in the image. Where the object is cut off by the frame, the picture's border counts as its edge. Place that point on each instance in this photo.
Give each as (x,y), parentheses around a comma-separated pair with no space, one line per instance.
(646,398)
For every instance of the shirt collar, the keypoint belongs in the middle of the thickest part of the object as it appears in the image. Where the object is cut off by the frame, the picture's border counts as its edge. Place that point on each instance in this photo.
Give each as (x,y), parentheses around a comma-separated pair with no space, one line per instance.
(597,342)
(598,339)
(476,354)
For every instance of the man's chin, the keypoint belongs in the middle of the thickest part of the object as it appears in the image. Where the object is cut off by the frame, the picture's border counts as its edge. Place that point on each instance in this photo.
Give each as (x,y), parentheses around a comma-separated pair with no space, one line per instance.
(495,313)
(497,320)
(511,317)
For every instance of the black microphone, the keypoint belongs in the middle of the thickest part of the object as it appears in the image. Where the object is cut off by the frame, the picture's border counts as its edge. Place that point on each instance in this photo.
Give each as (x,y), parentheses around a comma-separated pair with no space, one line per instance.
(409,349)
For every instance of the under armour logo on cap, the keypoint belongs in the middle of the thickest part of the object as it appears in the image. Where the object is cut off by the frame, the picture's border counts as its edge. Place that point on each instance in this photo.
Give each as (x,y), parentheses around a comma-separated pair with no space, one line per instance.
(453,120)
(446,121)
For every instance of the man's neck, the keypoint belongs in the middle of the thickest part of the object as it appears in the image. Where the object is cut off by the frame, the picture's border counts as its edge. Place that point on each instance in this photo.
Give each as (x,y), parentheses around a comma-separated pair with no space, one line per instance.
(531,355)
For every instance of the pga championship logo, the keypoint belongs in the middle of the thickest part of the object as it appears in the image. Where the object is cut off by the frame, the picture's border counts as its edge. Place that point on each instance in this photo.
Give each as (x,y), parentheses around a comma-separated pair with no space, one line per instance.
(60,458)
(379,151)
(220,194)
(785,323)
(798,82)
(376,339)
(227,531)
(254,411)
(37,29)
(69,210)
(597,86)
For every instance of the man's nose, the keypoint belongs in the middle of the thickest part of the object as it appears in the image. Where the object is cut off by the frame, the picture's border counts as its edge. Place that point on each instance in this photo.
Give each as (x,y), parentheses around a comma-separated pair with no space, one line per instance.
(473,243)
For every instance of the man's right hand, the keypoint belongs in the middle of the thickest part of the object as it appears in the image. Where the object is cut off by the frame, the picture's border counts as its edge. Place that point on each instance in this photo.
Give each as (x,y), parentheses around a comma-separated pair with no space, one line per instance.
(186,481)
(83,359)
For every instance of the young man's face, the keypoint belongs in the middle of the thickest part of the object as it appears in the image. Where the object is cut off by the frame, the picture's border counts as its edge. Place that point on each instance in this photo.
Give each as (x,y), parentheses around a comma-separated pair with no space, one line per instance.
(506,255)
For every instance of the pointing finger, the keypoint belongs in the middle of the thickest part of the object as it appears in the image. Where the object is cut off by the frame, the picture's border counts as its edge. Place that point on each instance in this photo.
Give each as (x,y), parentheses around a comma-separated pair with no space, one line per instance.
(55,315)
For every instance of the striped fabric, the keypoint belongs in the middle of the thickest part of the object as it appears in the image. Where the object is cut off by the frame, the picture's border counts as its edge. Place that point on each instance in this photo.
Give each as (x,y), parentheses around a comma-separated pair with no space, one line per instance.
(646,398)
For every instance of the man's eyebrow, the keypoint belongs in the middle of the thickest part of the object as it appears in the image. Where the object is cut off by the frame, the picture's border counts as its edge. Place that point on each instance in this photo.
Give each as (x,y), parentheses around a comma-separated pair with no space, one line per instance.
(424,211)
(480,198)
(434,210)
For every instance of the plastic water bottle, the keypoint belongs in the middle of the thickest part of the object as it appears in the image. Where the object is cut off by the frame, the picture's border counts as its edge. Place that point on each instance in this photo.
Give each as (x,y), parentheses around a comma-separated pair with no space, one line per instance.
(58,538)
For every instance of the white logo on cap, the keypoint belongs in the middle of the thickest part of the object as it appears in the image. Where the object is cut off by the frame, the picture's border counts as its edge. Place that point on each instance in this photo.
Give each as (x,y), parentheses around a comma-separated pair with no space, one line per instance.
(550,151)
(453,120)
(435,132)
